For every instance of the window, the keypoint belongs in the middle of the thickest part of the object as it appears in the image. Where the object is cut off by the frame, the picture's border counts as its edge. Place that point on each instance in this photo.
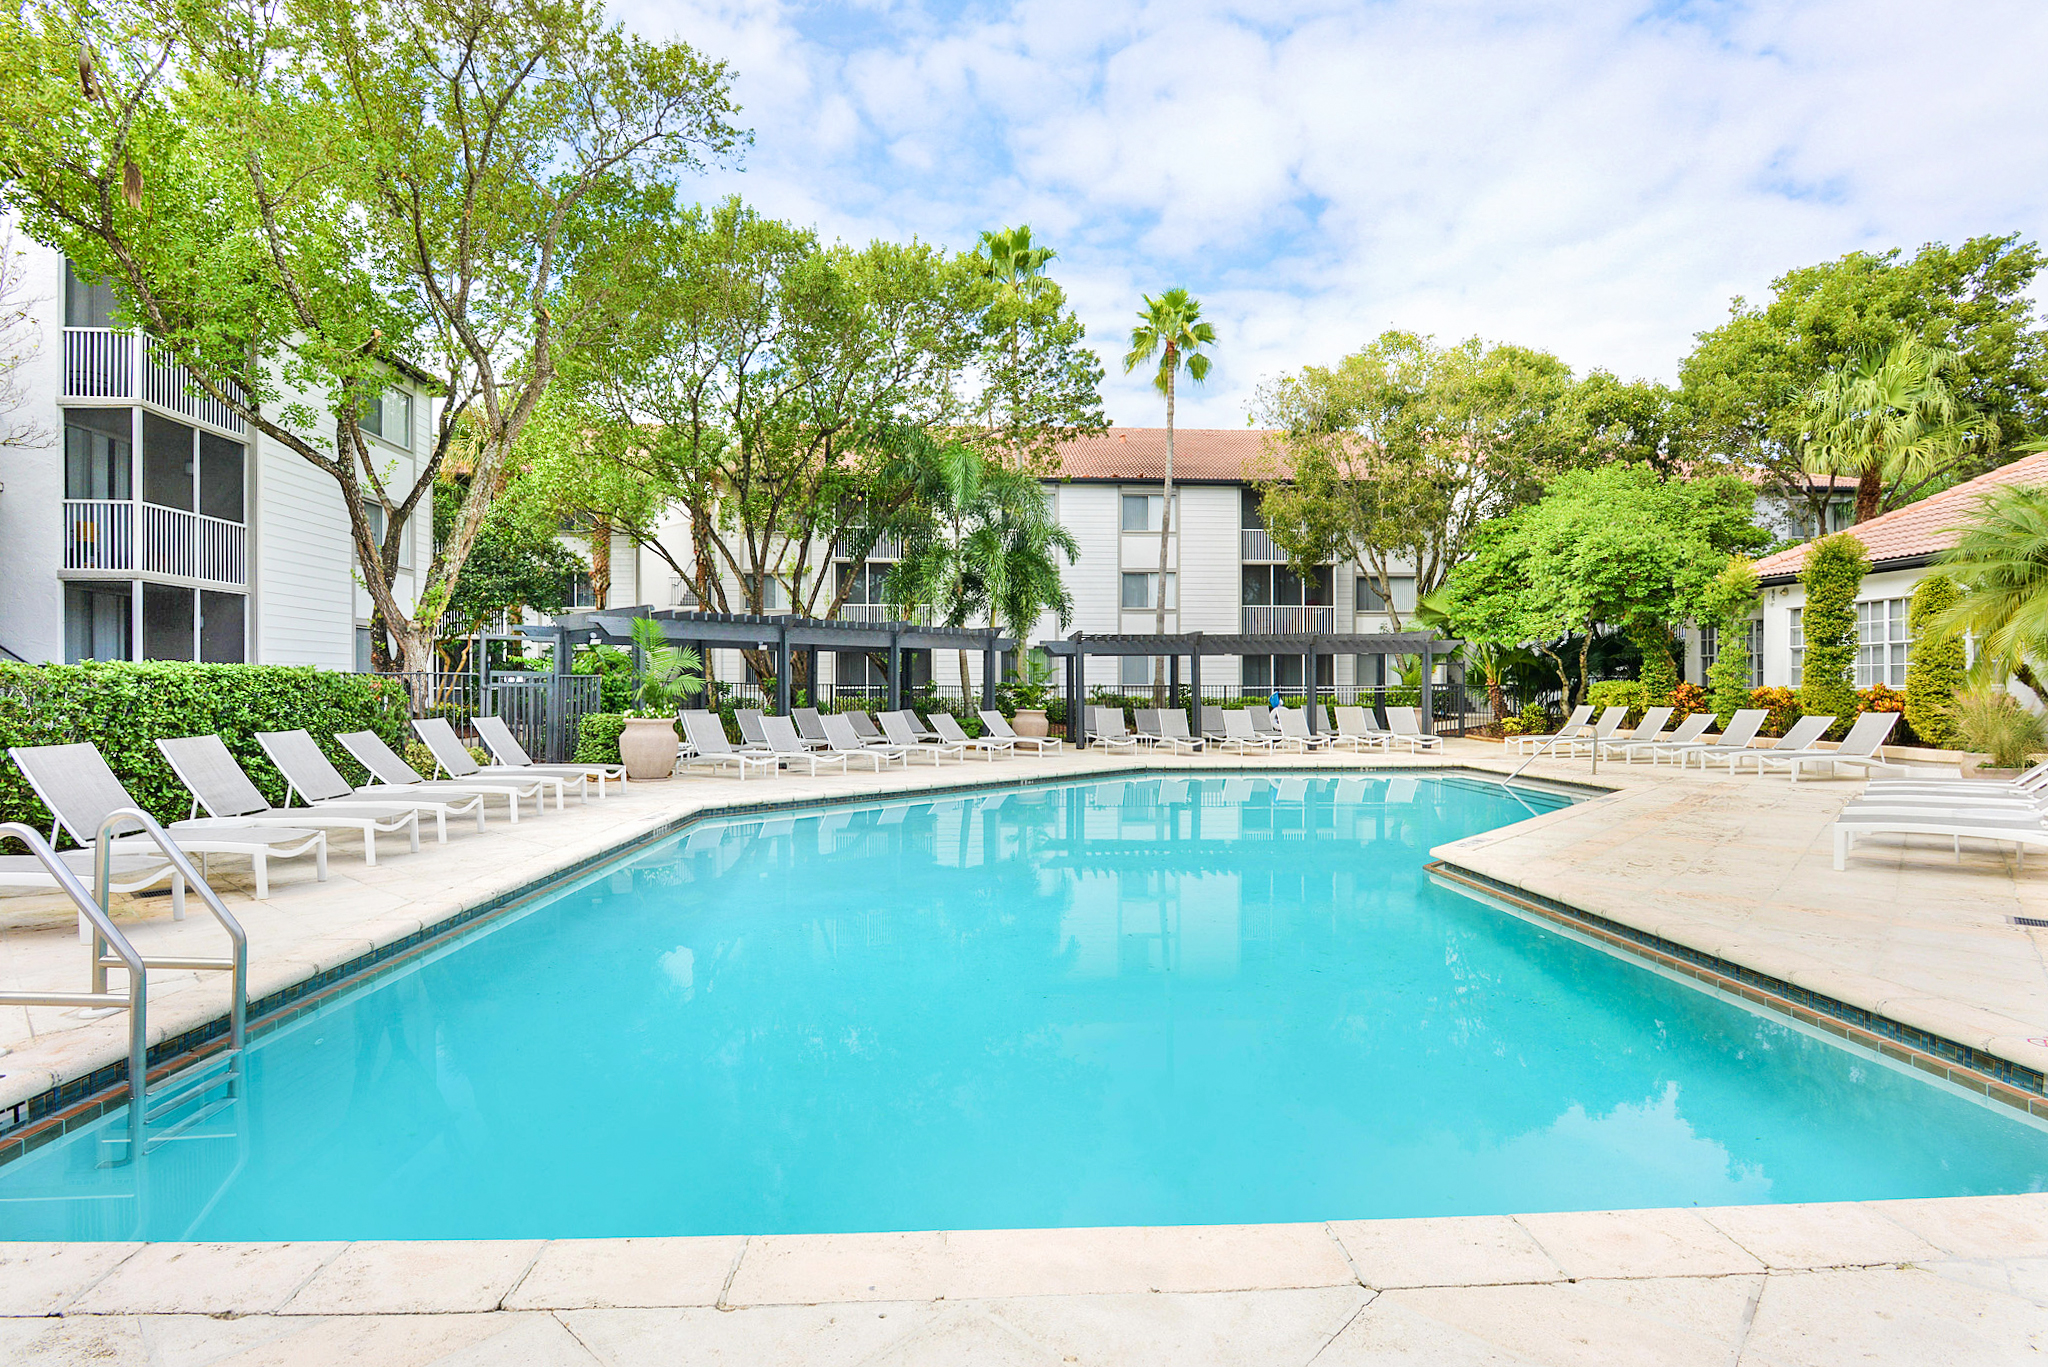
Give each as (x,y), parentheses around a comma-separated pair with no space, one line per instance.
(1141,591)
(773,596)
(1798,646)
(866,586)
(1141,512)
(389,416)
(1710,648)
(96,622)
(1285,671)
(1369,599)
(1882,645)
(582,593)
(167,455)
(374,512)
(87,304)
(869,674)
(1249,517)
(99,444)
(1134,671)
(220,477)
(1279,586)
(223,620)
(1756,652)
(167,622)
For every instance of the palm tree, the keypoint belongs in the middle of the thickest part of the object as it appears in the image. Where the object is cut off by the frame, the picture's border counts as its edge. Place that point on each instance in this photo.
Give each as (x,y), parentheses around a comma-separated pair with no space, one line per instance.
(1017,267)
(2001,564)
(1021,558)
(1891,419)
(1170,328)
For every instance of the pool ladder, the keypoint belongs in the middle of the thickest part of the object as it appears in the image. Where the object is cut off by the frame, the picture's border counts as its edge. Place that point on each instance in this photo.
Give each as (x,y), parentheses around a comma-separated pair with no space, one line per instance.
(184,1099)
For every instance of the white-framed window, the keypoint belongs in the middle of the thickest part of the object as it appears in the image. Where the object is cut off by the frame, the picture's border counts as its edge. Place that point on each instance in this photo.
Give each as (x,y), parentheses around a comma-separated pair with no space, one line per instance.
(1141,512)
(1710,648)
(1370,600)
(774,593)
(1882,645)
(1798,655)
(1756,653)
(374,512)
(1134,671)
(1141,590)
(388,417)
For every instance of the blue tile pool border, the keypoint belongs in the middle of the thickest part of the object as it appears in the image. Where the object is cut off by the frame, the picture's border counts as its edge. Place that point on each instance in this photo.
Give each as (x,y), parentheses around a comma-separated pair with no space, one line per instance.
(40,1119)
(1979,1070)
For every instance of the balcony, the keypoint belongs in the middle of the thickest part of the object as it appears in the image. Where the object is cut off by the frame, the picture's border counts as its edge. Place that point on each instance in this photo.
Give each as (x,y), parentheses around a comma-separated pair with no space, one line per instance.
(1293,620)
(879,612)
(108,363)
(1255,545)
(117,535)
(885,548)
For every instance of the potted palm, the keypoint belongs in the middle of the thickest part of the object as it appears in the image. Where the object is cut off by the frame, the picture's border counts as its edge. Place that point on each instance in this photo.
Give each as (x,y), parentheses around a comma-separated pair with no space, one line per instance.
(1031,691)
(2005,734)
(647,744)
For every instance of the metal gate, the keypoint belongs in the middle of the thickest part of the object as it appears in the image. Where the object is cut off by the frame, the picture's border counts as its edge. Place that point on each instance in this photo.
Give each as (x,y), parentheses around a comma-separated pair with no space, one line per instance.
(543,709)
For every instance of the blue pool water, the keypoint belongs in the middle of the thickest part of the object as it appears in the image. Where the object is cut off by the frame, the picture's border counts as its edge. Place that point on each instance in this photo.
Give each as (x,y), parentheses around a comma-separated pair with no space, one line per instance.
(1148,1002)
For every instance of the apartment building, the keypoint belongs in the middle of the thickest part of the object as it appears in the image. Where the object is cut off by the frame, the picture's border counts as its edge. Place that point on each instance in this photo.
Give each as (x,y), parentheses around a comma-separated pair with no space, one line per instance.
(149,523)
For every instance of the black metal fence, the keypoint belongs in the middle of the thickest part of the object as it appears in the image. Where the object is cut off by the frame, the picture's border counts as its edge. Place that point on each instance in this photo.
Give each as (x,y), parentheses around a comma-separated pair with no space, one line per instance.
(543,710)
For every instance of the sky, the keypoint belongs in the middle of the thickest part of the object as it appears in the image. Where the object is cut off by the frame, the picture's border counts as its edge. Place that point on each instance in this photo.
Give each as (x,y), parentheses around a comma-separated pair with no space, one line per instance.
(1595,178)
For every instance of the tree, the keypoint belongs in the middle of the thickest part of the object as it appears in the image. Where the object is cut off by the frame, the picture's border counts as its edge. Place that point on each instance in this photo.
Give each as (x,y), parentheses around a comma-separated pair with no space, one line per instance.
(1170,327)
(1038,386)
(20,342)
(1936,668)
(2000,562)
(1745,381)
(516,562)
(1831,574)
(295,203)
(1727,603)
(1892,421)
(1613,547)
(1397,455)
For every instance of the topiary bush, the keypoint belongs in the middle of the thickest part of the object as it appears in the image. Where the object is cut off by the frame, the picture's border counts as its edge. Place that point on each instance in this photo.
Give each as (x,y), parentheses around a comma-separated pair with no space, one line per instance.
(1659,671)
(597,737)
(124,708)
(1729,601)
(1934,671)
(1633,694)
(1832,574)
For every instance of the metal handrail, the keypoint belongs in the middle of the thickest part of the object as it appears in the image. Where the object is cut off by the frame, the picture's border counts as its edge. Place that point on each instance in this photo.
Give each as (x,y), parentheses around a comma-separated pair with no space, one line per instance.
(1548,742)
(104,933)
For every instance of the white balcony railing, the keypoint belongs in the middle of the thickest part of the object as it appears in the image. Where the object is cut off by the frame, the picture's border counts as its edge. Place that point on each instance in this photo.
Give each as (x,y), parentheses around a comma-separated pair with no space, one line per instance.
(114,534)
(109,363)
(879,612)
(1290,620)
(885,548)
(1255,544)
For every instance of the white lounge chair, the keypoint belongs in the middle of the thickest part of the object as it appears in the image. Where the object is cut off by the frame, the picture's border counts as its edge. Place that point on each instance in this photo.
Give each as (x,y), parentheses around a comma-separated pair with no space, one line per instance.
(311,777)
(1741,730)
(1173,732)
(1108,730)
(513,759)
(752,735)
(897,730)
(988,747)
(1213,727)
(451,755)
(1357,729)
(864,727)
(1406,729)
(2031,784)
(1686,732)
(809,728)
(1261,718)
(1238,734)
(218,784)
(1601,730)
(840,734)
(81,792)
(787,746)
(384,765)
(1294,732)
(998,728)
(1574,725)
(1649,728)
(1799,736)
(709,747)
(1858,747)
(2018,829)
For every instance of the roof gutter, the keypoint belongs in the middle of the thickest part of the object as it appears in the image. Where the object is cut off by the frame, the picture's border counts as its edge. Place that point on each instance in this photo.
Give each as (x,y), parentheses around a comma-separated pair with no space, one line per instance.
(1902,562)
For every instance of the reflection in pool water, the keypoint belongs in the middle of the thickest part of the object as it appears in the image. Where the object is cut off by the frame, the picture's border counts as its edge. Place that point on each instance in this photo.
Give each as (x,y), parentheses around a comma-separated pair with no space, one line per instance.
(1145,1002)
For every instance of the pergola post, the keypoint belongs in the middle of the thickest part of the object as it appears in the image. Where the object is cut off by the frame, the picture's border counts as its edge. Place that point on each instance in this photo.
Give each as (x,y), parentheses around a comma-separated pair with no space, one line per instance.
(1195,686)
(988,674)
(557,688)
(811,676)
(895,671)
(1315,697)
(1428,668)
(1173,681)
(782,671)
(1077,730)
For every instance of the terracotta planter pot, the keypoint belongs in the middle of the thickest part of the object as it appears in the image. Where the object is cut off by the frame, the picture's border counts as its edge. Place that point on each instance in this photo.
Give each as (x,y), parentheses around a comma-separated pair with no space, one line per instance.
(1029,721)
(1978,766)
(647,747)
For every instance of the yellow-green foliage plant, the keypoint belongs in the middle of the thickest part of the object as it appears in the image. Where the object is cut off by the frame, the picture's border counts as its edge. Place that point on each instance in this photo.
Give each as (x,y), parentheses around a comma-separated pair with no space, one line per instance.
(1935,671)
(1728,603)
(1832,574)
(1991,723)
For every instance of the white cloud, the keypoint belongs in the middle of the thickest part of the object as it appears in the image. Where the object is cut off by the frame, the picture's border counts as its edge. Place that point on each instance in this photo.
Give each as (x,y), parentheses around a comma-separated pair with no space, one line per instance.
(1595,178)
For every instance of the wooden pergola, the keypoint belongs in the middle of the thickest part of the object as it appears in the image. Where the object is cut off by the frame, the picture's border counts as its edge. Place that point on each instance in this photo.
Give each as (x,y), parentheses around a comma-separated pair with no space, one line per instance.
(1196,644)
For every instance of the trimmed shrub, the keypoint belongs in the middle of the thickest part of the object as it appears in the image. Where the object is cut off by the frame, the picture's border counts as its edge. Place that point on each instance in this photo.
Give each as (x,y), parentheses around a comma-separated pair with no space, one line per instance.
(1659,671)
(124,709)
(1782,705)
(1935,671)
(1633,694)
(1687,699)
(1533,720)
(1730,600)
(1832,573)
(597,737)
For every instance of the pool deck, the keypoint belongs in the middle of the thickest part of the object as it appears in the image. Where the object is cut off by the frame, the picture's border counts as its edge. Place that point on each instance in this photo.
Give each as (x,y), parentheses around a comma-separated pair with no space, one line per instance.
(1737,868)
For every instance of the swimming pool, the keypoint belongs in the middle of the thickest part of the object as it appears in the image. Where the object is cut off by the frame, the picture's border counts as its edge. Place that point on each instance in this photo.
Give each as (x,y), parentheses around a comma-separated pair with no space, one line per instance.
(1158,1001)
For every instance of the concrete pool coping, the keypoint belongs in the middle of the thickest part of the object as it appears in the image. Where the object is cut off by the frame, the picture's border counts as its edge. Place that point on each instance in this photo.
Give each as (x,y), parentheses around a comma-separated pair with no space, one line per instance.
(1953,1279)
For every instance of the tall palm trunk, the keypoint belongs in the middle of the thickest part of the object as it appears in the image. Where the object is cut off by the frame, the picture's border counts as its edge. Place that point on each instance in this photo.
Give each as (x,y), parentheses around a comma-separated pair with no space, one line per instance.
(1159,698)
(1869,492)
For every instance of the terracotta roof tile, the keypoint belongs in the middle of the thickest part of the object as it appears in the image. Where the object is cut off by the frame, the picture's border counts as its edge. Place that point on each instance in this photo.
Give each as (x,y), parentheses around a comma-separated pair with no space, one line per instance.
(1215,454)
(1921,528)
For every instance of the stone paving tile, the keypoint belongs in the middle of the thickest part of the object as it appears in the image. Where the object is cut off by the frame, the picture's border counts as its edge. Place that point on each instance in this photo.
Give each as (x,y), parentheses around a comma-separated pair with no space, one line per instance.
(1476,1250)
(2026,1278)
(207,1279)
(1891,1317)
(1229,1329)
(42,1279)
(102,1341)
(487,1340)
(1977,1226)
(1831,1234)
(1637,1243)
(393,1277)
(814,1269)
(587,1274)
(1188,1258)
(770,1336)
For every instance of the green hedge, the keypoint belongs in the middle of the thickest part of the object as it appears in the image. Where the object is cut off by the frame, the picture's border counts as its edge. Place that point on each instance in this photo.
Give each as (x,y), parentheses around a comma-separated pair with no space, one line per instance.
(125,708)
(1832,574)
(1634,694)
(1937,666)
(597,737)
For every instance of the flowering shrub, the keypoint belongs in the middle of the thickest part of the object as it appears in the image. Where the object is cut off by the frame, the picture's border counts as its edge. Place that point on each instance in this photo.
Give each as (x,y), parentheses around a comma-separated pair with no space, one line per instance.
(1534,720)
(1782,705)
(1687,699)
(1880,698)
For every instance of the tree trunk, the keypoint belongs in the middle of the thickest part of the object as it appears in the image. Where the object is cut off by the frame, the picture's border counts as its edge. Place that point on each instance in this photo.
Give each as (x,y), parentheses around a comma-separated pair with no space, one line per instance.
(1869,493)
(1497,698)
(1159,698)
(966,688)
(601,563)
(1585,651)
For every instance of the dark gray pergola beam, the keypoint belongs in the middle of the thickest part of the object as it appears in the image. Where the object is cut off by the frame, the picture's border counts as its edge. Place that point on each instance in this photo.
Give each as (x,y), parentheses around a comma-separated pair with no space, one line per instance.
(1203,643)
(615,627)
